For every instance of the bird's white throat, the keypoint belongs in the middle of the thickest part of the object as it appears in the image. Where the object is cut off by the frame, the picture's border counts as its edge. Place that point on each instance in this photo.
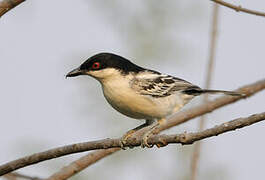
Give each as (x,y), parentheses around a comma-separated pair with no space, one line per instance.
(104,74)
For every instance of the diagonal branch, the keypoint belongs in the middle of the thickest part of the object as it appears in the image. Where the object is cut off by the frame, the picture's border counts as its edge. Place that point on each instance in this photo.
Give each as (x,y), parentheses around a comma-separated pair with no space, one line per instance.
(6,5)
(181,117)
(81,163)
(239,8)
(19,176)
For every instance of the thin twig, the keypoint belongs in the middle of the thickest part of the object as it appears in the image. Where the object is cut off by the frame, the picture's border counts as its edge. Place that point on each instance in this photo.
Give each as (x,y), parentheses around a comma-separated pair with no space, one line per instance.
(239,8)
(210,69)
(7,5)
(110,143)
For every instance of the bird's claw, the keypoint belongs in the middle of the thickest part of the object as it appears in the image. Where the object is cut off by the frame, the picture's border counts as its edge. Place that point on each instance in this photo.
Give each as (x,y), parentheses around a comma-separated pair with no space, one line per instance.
(122,144)
(124,139)
(144,142)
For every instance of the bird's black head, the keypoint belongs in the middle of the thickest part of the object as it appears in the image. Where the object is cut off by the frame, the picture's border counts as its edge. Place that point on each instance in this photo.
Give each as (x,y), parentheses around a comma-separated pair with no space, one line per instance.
(103,64)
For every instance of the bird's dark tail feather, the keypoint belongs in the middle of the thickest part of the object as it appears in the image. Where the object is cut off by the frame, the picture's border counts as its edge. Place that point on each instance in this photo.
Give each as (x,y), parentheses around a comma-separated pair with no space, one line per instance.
(198,91)
(231,93)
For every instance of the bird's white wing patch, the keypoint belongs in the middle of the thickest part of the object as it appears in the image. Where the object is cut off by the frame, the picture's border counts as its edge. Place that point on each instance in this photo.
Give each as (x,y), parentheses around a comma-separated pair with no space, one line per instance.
(159,85)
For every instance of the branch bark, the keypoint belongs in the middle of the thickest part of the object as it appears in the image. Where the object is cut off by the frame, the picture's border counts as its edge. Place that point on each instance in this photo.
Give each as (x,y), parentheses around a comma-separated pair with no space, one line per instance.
(81,163)
(239,8)
(7,5)
(15,176)
(181,117)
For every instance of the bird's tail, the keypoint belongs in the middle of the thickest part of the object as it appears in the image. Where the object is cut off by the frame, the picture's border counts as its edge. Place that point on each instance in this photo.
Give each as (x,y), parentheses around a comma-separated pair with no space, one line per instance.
(231,93)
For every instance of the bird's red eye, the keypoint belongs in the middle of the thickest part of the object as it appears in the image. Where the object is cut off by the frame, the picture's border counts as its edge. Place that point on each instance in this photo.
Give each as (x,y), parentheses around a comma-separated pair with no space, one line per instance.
(96,65)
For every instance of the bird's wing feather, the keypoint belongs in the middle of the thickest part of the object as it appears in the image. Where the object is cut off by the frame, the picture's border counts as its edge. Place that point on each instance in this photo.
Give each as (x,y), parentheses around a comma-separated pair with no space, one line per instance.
(160,85)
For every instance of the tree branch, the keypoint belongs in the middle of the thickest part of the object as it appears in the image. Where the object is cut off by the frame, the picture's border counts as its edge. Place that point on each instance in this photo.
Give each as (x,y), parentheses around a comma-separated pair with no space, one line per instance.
(239,8)
(6,5)
(18,175)
(109,143)
(81,163)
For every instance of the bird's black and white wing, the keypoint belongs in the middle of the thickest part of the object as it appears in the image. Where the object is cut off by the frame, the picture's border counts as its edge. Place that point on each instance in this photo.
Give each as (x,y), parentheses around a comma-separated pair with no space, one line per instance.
(161,85)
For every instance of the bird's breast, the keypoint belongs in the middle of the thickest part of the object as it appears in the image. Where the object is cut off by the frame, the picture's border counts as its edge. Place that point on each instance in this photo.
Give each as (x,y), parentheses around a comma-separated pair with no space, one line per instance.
(128,102)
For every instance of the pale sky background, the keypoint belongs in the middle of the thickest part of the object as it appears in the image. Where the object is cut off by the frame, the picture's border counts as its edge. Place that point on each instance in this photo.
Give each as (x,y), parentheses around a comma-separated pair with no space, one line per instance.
(43,40)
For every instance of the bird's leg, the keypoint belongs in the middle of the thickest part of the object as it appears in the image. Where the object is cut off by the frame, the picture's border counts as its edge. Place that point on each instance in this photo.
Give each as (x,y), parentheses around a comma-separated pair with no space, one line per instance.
(151,132)
(130,133)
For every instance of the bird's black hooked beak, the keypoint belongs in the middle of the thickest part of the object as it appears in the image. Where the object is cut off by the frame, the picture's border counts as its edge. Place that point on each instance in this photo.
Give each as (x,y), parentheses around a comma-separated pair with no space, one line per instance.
(75,72)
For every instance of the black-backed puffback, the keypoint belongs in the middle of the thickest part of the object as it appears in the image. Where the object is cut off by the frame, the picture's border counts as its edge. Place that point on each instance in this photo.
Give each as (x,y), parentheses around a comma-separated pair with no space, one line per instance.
(138,92)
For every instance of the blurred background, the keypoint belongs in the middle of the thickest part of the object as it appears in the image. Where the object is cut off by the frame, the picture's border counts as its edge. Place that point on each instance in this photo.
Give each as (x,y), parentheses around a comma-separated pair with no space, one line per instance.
(39,109)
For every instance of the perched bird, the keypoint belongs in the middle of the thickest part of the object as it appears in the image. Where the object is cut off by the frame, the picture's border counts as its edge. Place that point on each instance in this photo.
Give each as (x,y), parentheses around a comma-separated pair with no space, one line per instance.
(140,93)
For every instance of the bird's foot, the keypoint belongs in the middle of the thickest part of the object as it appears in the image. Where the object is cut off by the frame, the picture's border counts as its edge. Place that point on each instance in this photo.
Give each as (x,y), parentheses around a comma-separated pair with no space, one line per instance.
(125,137)
(144,142)
(151,132)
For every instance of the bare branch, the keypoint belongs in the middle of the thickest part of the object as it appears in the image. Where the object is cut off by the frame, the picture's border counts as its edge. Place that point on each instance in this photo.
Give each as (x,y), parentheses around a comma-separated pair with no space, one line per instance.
(210,69)
(239,8)
(111,143)
(6,5)
(13,176)
(81,164)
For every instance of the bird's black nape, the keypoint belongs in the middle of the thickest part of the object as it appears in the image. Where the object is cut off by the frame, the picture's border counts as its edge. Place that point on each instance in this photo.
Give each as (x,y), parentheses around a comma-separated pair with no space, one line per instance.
(109,60)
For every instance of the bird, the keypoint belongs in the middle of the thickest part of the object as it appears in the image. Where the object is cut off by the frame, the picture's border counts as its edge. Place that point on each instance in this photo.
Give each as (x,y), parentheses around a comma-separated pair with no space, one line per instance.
(138,92)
